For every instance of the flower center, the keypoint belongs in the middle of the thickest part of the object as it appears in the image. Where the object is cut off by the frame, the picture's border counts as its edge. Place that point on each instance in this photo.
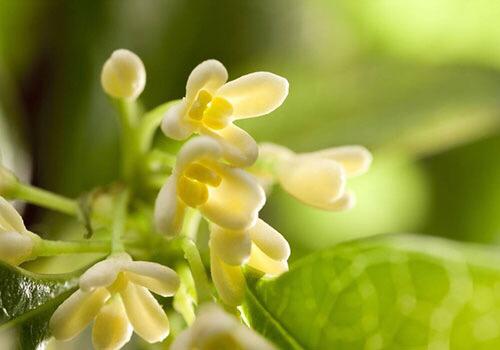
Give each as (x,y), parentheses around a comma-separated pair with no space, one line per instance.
(212,112)
(192,184)
(223,341)
(119,284)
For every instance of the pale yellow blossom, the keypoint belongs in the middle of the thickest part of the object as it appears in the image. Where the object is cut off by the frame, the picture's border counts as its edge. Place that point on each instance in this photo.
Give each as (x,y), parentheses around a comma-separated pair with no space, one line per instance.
(212,104)
(214,329)
(227,196)
(261,247)
(123,75)
(115,293)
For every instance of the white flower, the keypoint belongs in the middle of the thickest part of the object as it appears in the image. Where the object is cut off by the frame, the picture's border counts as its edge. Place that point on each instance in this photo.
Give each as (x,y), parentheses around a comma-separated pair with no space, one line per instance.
(214,329)
(227,196)
(115,293)
(317,178)
(260,247)
(212,104)
(16,242)
(123,75)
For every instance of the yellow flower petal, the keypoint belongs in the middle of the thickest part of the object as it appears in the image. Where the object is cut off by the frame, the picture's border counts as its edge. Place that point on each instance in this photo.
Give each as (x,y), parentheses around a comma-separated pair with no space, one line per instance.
(255,94)
(169,210)
(315,181)
(155,277)
(15,247)
(208,75)
(270,241)
(10,220)
(73,315)
(112,329)
(260,261)
(104,273)
(123,75)
(236,202)
(346,202)
(238,147)
(232,247)
(174,124)
(145,314)
(355,159)
(228,280)
(249,340)
(196,150)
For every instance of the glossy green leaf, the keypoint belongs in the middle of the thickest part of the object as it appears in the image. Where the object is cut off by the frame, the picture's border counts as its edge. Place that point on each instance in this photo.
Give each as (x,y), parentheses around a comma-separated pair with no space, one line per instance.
(28,300)
(386,292)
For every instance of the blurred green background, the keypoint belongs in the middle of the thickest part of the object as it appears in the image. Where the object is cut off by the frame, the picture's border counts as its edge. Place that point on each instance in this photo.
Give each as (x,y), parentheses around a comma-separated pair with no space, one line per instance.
(417,82)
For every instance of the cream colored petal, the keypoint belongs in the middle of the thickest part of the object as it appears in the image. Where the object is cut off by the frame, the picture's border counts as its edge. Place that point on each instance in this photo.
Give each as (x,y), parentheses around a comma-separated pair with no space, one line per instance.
(228,280)
(169,210)
(155,277)
(315,181)
(145,313)
(272,152)
(184,341)
(15,247)
(250,340)
(270,241)
(232,247)
(103,273)
(197,149)
(355,159)
(10,220)
(174,125)
(236,202)
(238,147)
(255,94)
(346,202)
(123,75)
(112,329)
(209,75)
(260,261)
(73,315)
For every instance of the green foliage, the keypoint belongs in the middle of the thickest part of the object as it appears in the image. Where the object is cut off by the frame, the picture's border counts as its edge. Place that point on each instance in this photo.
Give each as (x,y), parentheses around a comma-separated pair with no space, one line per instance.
(390,292)
(28,300)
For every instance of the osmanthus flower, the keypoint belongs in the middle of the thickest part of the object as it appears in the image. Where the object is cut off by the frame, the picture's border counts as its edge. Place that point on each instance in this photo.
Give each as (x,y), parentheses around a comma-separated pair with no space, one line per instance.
(212,104)
(123,75)
(214,329)
(260,247)
(227,196)
(316,178)
(115,293)
(16,242)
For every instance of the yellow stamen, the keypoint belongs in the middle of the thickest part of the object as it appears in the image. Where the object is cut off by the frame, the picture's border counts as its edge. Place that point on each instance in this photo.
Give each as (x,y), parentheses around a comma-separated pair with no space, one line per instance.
(192,192)
(200,105)
(217,114)
(201,173)
(119,284)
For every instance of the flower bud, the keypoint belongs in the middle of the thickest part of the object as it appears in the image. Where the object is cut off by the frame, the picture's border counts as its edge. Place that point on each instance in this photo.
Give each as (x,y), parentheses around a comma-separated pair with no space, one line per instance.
(123,75)
(8,182)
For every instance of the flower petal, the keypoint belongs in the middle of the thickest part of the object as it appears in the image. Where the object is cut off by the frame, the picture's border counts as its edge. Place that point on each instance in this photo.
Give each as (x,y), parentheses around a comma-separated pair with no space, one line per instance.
(73,315)
(346,202)
(146,315)
(169,210)
(238,147)
(315,181)
(255,94)
(10,220)
(270,241)
(249,339)
(236,202)
(15,247)
(197,149)
(208,75)
(112,329)
(232,247)
(174,124)
(183,341)
(260,261)
(228,280)
(104,273)
(155,277)
(355,159)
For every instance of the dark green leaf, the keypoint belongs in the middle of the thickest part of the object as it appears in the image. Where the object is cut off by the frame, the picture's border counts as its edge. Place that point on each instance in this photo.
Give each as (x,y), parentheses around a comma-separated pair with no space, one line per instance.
(386,292)
(27,301)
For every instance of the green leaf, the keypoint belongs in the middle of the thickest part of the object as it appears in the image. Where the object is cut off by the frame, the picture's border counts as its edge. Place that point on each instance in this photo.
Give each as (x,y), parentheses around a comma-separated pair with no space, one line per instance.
(386,292)
(27,301)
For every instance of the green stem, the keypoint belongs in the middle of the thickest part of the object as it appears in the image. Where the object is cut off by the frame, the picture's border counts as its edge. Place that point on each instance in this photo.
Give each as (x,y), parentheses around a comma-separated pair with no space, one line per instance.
(150,123)
(119,222)
(129,120)
(46,199)
(183,300)
(54,248)
(191,253)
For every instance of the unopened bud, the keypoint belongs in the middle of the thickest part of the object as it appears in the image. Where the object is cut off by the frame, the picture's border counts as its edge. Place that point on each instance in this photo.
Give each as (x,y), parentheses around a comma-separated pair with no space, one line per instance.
(123,75)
